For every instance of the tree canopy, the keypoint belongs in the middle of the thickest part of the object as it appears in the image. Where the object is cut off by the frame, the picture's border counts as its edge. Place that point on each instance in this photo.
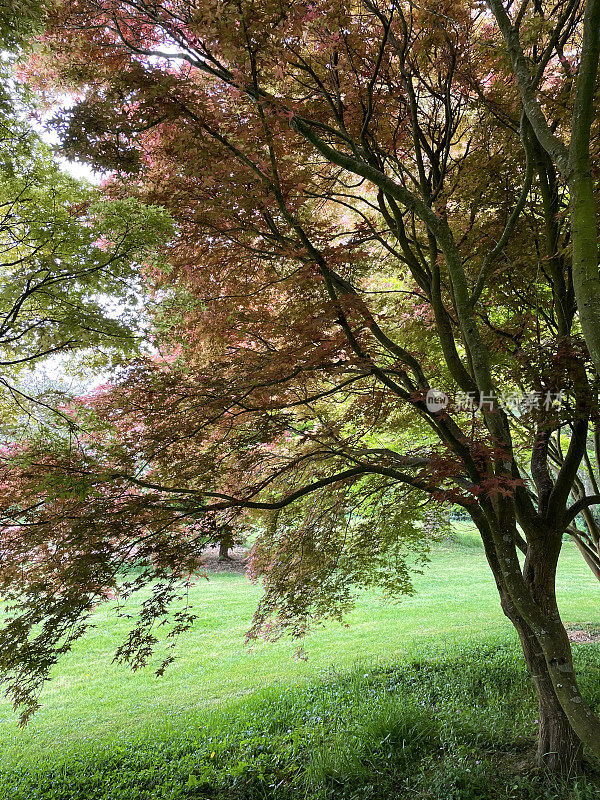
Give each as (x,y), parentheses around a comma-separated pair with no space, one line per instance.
(70,263)
(374,203)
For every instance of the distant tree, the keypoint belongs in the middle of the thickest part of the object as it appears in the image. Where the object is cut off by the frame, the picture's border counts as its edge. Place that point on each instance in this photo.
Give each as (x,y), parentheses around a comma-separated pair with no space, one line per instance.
(373,202)
(226,541)
(69,264)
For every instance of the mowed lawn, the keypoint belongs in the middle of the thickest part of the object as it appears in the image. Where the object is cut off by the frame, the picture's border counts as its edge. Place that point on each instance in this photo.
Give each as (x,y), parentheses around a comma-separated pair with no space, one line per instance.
(92,702)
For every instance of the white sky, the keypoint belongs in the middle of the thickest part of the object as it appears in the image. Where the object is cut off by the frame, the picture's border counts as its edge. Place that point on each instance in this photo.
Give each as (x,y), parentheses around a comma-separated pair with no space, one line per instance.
(55,368)
(74,168)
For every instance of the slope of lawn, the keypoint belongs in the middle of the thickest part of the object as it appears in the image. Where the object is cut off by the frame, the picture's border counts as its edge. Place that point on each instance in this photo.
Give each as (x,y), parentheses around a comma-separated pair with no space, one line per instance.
(94,704)
(460,727)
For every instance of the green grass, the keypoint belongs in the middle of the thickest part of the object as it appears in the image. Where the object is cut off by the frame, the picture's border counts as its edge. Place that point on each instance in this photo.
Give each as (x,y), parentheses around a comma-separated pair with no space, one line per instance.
(218,695)
(455,728)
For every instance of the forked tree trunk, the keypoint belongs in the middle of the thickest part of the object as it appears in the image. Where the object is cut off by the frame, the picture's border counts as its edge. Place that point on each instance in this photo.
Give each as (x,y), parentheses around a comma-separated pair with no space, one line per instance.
(559,748)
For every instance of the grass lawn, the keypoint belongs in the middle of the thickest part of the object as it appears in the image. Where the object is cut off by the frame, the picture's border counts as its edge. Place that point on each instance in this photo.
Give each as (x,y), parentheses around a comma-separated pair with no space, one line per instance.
(93,704)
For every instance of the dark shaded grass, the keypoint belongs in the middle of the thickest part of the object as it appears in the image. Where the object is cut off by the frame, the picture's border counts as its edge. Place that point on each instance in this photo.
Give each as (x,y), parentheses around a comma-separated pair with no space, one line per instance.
(457,728)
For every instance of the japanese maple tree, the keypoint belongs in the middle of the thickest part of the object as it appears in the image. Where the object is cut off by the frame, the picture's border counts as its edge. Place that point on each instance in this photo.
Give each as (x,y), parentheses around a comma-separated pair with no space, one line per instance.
(373,201)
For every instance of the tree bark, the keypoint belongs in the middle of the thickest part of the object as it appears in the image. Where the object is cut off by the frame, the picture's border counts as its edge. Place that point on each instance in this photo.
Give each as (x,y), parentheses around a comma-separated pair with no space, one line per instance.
(584,223)
(559,749)
(531,591)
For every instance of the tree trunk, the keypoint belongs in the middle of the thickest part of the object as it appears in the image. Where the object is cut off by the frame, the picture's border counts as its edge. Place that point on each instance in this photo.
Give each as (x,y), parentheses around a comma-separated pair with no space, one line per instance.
(224,546)
(584,223)
(559,749)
